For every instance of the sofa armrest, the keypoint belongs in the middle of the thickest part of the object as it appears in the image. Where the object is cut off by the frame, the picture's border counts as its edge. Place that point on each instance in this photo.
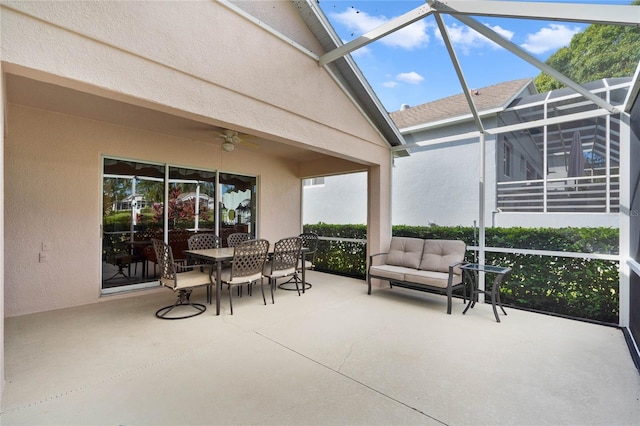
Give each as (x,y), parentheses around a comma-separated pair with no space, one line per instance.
(376,255)
(452,266)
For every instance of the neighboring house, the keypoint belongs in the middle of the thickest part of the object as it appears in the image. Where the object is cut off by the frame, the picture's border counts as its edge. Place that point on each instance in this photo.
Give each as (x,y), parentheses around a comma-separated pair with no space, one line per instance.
(438,183)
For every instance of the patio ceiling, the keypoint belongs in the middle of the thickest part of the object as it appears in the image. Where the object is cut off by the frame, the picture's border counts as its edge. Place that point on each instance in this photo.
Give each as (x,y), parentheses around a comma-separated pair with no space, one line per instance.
(47,96)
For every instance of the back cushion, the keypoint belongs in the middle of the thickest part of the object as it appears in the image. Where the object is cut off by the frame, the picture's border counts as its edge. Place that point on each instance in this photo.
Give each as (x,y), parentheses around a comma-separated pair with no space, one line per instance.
(405,251)
(439,254)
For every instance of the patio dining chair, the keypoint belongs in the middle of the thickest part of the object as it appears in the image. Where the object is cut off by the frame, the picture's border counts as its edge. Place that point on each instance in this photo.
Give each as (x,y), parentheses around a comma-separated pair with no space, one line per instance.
(283,262)
(248,262)
(181,282)
(307,260)
(202,242)
(237,238)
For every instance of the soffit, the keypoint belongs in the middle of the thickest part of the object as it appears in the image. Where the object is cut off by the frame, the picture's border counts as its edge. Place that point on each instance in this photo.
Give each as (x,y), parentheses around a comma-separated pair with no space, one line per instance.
(51,97)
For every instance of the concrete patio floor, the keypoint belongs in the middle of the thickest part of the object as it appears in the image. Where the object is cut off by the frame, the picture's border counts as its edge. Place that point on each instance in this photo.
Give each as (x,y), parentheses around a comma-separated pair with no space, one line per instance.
(332,356)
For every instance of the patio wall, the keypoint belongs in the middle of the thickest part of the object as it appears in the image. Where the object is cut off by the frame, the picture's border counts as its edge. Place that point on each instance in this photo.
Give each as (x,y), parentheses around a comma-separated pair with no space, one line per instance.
(53,173)
(199,60)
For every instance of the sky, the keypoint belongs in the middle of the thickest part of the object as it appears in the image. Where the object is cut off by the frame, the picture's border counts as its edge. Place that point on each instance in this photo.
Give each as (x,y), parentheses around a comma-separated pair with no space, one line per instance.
(412,66)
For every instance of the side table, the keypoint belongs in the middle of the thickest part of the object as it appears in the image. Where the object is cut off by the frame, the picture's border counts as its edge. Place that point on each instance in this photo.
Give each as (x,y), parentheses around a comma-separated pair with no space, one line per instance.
(471,270)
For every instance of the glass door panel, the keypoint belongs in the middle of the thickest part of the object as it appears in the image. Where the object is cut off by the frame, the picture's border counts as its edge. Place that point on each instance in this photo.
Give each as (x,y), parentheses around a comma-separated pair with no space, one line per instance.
(133,196)
(191,206)
(238,209)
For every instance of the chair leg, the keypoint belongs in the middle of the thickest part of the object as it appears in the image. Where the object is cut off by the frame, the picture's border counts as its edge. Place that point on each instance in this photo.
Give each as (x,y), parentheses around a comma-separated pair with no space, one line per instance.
(230,301)
(183,300)
(262,288)
(296,278)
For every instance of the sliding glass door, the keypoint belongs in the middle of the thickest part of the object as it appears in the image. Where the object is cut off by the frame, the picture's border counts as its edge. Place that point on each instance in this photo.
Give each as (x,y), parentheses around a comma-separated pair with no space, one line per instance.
(142,201)
(238,205)
(132,204)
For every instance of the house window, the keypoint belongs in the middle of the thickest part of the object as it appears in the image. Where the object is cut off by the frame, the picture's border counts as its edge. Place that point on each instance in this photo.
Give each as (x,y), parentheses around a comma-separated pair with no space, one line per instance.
(506,159)
(308,183)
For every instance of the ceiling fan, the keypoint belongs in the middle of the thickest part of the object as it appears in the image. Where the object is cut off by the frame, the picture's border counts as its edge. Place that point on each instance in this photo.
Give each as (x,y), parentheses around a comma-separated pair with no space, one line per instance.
(231,138)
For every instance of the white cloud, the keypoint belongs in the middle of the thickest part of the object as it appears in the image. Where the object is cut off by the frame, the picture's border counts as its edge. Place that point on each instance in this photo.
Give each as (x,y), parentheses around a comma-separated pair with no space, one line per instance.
(410,77)
(549,38)
(389,84)
(465,38)
(410,37)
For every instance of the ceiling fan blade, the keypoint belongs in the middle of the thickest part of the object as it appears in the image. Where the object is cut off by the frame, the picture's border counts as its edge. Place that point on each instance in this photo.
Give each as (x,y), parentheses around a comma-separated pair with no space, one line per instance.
(251,145)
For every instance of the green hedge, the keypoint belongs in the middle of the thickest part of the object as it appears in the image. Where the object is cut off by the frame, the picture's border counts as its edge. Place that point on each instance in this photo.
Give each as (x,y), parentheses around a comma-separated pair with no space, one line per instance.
(574,287)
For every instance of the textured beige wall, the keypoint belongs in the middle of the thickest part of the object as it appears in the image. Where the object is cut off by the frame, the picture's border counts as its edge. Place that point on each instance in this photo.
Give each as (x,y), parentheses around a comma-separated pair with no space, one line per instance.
(2,256)
(53,193)
(193,59)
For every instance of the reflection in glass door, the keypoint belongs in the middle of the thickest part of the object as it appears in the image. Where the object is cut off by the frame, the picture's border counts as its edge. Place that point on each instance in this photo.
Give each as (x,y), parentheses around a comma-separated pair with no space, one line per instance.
(132,205)
(238,205)
(191,207)
(142,201)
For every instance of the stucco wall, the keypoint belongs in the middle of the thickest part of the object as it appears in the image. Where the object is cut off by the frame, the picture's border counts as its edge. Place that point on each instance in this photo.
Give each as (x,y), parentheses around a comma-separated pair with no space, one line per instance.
(341,200)
(53,166)
(191,58)
(2,255)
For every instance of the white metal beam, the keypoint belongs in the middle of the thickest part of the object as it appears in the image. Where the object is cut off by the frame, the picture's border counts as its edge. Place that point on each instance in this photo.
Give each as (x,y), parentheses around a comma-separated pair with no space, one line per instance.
(436,141)
(634,89)
(456,65)
(547,122)
(589,13)
(516,50)
(373,35)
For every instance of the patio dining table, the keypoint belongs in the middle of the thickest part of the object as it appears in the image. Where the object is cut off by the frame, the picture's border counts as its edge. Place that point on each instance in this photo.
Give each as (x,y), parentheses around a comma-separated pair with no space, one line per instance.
(217,256)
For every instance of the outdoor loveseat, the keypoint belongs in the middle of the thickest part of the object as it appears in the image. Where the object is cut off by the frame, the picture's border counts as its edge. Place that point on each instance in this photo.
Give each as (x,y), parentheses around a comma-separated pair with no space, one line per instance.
(421,264)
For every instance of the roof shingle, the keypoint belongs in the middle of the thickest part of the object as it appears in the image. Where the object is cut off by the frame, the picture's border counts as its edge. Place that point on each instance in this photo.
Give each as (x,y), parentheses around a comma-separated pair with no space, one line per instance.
(486,98)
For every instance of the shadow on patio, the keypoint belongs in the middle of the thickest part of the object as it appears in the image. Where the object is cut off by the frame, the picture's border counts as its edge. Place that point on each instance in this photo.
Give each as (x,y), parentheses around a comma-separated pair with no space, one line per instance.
(332,356)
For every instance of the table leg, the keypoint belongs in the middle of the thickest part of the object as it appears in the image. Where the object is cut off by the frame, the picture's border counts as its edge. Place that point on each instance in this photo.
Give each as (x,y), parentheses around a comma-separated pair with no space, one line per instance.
(304,280)
(495,296)
(218,285)
(473,293)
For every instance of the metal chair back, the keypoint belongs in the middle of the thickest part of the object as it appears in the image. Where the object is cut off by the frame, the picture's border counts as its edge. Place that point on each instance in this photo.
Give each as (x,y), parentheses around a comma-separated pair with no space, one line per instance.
(286,254)
(309,241)
(164,257)
(249,258)
(203,241)
(237,237)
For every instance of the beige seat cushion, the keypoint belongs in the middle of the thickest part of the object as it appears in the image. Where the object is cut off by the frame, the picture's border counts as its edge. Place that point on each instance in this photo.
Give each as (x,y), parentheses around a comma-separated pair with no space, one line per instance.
(431,278)
(405,251)
(226,278)
(188,279)
(388,272)
(439,254)
(267,272)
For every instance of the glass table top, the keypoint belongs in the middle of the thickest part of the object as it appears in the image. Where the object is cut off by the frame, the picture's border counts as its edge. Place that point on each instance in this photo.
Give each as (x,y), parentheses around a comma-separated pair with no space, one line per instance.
(485,268)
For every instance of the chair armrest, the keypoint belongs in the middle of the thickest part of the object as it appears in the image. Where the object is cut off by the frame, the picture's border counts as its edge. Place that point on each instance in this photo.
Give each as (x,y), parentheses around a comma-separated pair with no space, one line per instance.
(454,265)
(375,255)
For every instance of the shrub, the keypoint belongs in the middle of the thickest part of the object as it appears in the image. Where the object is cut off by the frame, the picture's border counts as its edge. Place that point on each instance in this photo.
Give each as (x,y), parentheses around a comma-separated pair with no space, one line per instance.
(568,286)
